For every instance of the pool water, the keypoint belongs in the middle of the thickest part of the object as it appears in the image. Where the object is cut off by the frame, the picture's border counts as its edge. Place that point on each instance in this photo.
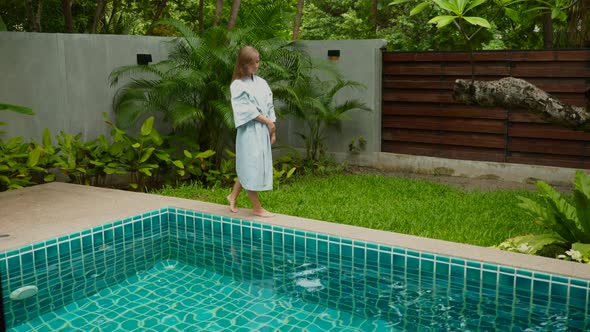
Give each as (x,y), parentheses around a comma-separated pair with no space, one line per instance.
(185,271)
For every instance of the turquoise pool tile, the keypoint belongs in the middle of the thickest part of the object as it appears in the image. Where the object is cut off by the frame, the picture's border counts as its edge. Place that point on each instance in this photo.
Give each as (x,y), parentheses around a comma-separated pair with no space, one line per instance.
(426,255)
(523,272)
(474,274)
(343,241)
(413,253)
(579,282)
(457,273)
(489,278)
(427,266)
(311,244)
(372,255)
(335,249)
(506,269)
(344,250)
(267,236)
(558,291)
(412,263)
(578,293)
(300,243)
(442,259)
(400,251)
(323,246)
(87,243)
(523,283)
(399,261)
(458,261)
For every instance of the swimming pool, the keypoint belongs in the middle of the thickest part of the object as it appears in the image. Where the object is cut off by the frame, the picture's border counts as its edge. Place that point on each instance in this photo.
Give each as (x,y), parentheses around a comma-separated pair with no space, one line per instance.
(258,276)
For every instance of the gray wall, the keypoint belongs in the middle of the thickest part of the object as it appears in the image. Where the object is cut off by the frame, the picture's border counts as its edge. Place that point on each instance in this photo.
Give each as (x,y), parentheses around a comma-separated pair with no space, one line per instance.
(360,60)
(64,79)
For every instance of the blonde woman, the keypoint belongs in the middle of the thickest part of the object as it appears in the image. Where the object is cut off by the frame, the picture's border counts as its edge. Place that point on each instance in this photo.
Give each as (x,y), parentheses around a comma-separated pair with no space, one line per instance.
(254,118)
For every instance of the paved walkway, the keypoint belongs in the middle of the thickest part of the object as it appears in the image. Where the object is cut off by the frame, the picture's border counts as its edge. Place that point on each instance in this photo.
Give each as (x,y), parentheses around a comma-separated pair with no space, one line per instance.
(42,212)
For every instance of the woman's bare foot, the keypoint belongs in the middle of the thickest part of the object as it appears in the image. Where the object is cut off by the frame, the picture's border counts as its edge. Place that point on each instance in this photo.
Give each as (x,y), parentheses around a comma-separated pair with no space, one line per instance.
(232,204)
(263,213)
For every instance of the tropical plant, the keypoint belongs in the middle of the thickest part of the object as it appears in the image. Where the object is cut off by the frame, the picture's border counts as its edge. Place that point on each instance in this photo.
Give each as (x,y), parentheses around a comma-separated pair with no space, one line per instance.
(315,102)
(191,87)
(567,220)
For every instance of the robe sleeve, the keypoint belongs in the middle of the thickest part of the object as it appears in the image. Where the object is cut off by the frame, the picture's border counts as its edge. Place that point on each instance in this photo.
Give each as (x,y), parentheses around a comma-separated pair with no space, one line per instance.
(270,107)
(244,108)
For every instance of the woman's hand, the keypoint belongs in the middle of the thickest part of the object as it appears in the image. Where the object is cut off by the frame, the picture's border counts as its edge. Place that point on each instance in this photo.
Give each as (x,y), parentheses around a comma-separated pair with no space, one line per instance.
(272,129)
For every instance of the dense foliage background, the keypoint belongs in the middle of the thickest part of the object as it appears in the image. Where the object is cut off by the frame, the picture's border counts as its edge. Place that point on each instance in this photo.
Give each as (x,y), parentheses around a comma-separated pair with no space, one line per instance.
(530,24)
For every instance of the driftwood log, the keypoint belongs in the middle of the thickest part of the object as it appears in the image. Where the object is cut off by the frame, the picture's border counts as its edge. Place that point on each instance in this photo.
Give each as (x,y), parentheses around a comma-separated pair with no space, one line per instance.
(514,93)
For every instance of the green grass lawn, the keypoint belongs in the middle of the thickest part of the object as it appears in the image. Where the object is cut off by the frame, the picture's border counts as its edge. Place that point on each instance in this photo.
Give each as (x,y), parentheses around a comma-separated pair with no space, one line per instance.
(408,206)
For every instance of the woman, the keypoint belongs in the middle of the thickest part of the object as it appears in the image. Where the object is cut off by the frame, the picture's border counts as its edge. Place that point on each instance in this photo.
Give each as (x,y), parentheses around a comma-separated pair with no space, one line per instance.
(254,117)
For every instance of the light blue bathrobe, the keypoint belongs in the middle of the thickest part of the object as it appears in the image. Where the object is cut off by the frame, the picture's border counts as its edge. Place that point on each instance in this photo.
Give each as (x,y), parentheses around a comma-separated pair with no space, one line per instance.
(249,98)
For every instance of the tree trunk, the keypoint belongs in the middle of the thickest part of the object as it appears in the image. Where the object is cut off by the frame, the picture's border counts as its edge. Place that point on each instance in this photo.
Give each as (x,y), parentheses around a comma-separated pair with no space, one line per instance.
(159,11)
(66,6)
(297,23)
(374,12)
(218,12)
(514,93)
(34,17)
(547,31)
(98,14)
(201,9)
(235,9)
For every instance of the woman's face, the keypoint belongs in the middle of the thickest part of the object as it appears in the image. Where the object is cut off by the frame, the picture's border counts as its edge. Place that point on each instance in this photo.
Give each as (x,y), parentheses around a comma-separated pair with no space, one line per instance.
(252,67)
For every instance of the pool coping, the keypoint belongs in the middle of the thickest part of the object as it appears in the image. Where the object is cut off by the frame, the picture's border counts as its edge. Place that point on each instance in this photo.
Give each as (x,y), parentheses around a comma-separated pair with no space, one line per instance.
(42,212)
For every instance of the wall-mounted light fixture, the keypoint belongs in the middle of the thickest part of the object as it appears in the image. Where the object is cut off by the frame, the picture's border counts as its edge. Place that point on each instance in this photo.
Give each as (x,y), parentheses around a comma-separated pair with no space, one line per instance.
(144,59)
(334,55)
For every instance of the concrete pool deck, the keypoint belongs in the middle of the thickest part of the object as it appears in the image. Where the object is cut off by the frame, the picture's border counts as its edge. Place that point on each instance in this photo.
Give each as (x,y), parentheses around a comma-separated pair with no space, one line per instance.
(47,211)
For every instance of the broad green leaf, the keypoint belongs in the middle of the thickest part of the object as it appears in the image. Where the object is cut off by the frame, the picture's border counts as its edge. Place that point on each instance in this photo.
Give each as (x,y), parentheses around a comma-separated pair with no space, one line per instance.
(49,178)
(133,185)
(47,138)
(156,137)
(178,164)
(582,199)
(477,21)
(205,154)
(147,126)
(512,14)
(448,6)
(146,171)
(291,171)
(34,156)
(419,8)
(146,154)
(442,21)
(397,2)
(17,109)
(538,242)
(188,154)
(135,145)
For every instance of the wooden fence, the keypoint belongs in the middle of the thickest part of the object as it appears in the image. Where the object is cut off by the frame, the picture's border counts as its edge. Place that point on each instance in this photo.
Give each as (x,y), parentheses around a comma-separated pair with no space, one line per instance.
(420,117)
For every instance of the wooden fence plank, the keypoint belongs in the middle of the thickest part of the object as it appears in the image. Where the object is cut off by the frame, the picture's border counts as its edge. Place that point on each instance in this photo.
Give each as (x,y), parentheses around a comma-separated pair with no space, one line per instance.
(446,138)
(456,111)
(448,124)
(420,117)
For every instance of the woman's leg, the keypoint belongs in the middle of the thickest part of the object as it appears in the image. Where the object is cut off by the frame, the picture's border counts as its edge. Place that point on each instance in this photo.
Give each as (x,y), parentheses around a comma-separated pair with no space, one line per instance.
(257,209)
(233,196)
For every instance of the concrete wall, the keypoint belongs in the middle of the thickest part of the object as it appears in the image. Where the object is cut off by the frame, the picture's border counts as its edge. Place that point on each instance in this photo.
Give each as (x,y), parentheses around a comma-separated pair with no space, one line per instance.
(360,60)
(64,79)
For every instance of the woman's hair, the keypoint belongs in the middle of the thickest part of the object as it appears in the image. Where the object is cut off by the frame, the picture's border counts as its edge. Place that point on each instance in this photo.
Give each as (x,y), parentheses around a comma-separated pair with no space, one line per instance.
(246,56)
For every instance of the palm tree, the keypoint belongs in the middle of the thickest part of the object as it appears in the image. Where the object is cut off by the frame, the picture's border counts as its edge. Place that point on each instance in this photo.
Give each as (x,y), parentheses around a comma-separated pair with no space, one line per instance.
(314,102)
(191,87)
